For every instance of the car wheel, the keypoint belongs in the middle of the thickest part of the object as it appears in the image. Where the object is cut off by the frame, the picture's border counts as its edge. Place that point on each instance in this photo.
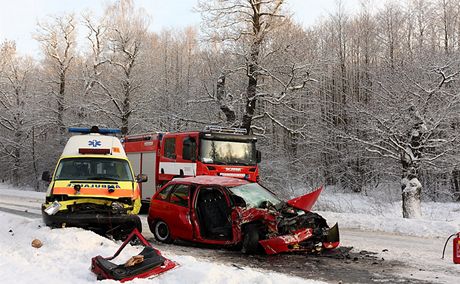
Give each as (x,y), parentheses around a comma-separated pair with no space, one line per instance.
(250,243)
(161,232)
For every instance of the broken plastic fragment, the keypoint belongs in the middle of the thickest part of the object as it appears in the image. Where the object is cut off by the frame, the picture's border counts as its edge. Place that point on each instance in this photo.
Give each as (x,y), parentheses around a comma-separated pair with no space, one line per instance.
(53,209)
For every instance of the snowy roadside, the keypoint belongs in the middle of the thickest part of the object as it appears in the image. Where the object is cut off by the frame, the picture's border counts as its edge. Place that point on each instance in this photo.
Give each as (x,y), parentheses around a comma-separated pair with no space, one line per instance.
(67,252)
(351,211)
(66,255)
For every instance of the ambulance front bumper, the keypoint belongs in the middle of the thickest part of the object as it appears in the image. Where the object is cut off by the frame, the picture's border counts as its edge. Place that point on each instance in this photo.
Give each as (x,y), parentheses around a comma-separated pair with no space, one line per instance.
(104,224)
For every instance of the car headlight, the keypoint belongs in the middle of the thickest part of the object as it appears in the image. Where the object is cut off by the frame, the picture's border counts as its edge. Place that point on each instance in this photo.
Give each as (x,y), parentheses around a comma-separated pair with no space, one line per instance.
(117,207)
(53,209)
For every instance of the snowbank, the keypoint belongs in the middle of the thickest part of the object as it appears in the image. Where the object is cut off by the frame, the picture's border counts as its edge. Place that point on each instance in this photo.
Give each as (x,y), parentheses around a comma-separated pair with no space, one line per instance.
(379,214)
(66,255)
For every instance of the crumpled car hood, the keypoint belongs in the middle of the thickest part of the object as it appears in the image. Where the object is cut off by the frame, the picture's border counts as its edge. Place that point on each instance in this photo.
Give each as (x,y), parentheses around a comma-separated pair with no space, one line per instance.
(306,202)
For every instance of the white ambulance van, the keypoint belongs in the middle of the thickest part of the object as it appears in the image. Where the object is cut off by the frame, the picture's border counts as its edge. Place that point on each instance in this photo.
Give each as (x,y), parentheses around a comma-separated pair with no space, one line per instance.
(93,186)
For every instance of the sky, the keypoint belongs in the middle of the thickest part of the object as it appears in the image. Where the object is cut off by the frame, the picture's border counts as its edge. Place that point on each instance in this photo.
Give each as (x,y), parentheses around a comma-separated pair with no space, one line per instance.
(18,18)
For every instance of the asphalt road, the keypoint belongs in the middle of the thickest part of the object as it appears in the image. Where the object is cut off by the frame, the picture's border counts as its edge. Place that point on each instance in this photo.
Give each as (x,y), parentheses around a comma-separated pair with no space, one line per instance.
(344,265)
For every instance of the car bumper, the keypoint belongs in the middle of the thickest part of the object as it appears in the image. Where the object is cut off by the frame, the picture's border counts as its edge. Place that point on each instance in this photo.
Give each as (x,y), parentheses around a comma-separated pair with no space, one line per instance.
(103,224)
(293,242)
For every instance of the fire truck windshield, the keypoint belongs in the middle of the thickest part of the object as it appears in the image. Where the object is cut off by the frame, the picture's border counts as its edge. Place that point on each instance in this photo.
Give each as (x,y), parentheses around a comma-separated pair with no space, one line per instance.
(93,169)
(227,152)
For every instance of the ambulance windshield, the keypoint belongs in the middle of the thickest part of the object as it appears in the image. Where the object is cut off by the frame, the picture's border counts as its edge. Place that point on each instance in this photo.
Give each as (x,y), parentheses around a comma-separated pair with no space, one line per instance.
(93,169)
(228,152)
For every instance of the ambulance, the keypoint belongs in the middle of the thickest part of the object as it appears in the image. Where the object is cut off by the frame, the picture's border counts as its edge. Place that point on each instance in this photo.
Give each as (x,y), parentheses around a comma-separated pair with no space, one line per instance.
(93,186)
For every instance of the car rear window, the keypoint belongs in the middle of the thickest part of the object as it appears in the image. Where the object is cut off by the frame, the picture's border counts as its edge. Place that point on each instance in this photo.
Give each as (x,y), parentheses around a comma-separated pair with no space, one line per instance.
(163,195)
(180,194)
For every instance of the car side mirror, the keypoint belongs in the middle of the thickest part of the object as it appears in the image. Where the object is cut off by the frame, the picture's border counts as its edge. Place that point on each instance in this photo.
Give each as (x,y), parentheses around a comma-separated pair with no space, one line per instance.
(238,201)
(46,176)
(141,178)
(258,156)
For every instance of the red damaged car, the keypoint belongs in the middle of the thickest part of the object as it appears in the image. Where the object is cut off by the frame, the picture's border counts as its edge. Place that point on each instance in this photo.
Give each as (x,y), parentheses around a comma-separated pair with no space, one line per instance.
(235,212)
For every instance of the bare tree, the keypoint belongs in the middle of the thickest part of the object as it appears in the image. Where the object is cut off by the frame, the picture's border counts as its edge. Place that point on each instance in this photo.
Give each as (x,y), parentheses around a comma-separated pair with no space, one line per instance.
(57,39)
(246,22)
(409,121)
(127,32)
(14,81)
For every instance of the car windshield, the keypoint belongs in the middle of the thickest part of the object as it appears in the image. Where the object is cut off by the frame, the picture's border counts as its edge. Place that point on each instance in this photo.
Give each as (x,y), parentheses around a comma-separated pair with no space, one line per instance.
(254,194)
(93,169)
(227,152)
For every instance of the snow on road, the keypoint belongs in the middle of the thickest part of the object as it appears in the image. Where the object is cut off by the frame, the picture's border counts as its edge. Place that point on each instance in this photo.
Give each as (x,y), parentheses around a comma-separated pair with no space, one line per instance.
(21,200)
(367,225)
(421,256)
(66,253)
(66,256)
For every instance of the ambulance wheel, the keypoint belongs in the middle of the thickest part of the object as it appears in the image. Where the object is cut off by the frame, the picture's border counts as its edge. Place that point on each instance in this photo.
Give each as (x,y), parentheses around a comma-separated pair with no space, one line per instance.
(161,232)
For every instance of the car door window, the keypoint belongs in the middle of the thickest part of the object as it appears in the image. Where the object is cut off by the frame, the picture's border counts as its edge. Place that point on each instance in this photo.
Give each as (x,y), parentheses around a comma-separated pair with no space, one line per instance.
(180,195)
(163,195)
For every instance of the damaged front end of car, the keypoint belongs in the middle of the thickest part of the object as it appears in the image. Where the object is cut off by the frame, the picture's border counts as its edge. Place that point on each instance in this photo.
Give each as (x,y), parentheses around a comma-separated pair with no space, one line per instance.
(291,227)
(311,239)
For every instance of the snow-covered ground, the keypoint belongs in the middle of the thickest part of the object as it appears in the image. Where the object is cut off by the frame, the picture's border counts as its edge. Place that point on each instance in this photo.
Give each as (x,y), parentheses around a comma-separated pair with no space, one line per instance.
(377,213)
(367,223)
(66,255)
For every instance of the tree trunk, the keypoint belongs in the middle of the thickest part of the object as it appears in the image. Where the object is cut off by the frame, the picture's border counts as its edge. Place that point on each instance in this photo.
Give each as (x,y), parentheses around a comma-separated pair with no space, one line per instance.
(125,115)
(253,69)
(16,163)
(34,161)
(61,102)
(223,101)
(251,89)
(456,183)
(410,185)
(411,197)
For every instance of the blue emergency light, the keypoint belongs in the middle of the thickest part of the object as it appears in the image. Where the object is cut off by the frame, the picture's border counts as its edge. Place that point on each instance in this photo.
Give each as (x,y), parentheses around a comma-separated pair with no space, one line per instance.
(94,129)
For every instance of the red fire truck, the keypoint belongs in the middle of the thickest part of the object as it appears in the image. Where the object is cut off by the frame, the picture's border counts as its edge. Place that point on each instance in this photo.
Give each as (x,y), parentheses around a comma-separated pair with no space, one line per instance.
(215,151)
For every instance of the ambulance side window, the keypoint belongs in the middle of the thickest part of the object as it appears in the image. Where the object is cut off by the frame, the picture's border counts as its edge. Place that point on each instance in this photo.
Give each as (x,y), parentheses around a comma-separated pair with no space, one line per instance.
(170,148)
(163,195)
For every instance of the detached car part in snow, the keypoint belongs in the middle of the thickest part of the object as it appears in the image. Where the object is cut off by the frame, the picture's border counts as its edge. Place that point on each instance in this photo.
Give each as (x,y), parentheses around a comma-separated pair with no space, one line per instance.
(93,186)
(235,212)
(151,263)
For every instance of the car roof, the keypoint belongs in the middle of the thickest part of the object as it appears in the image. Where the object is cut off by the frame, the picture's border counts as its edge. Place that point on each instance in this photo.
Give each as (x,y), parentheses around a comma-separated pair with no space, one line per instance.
(212,180)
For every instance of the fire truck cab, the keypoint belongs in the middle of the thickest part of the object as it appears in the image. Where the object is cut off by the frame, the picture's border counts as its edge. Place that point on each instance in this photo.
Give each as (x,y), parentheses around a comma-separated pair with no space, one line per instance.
(215,151)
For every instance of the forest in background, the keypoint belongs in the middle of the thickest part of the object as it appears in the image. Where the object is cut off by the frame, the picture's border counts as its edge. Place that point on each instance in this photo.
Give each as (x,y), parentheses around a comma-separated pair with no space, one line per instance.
(355,101)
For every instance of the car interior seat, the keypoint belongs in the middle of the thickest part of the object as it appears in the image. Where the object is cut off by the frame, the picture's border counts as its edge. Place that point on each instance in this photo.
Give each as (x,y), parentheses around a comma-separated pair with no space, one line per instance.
(214,214)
